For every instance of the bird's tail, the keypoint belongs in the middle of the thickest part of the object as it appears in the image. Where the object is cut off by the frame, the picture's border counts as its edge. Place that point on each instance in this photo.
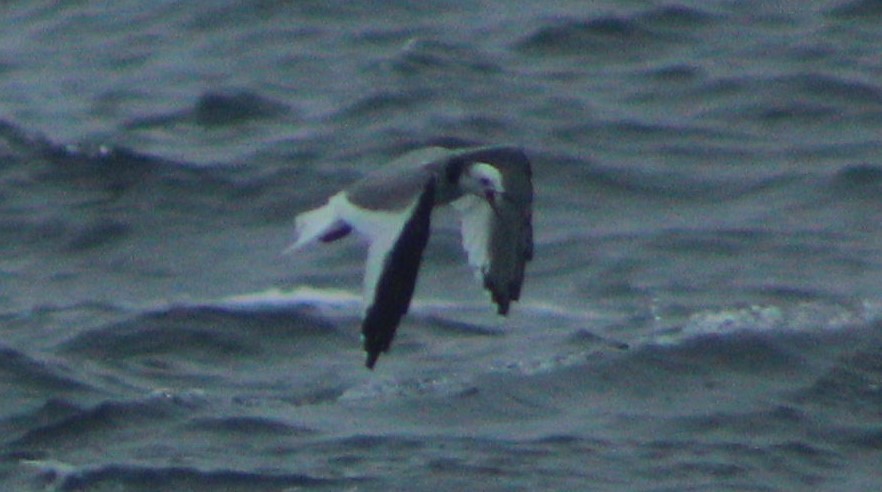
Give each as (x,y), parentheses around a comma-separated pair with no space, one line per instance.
(322,224)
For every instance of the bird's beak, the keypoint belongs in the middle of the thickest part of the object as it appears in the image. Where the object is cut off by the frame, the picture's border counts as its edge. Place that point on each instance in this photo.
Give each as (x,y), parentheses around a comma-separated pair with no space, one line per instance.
(490,196)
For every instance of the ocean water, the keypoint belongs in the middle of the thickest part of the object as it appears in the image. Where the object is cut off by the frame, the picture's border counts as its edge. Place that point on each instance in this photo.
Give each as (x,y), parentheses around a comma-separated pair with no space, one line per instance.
(703,311)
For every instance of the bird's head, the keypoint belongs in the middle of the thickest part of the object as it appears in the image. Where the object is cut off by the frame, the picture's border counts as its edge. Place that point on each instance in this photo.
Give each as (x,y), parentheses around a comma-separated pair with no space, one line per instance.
(483,180)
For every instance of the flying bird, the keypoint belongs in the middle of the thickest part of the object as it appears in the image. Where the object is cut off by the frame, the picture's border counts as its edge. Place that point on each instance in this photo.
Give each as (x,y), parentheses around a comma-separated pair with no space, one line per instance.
(392,207)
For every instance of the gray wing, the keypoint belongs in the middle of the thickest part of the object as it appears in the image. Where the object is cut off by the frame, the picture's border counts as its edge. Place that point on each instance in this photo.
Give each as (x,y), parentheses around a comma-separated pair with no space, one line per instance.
(394,186)
(499,242)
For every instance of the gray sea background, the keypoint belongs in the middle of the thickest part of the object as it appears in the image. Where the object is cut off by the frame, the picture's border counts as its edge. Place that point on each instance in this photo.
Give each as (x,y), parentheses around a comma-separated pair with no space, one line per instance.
(703,312)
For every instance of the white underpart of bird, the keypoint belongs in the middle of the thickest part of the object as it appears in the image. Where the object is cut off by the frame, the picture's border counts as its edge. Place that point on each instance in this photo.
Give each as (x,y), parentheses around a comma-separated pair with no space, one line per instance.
(476,219)
(492,189)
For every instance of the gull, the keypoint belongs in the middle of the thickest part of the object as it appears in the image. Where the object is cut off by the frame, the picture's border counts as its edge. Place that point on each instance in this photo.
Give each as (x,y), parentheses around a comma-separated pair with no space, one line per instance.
(392,207)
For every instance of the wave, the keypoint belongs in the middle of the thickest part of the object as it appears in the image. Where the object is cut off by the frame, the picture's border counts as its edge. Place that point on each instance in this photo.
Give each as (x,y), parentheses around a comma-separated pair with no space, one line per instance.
(863,180)
(205,332)
(868,10)
(614,36)
(18,370)
(178,341)
(806,98)
(851,382)
(384,103)
(428,57)
(89,197)
(247,426)
(133,477)
(94,167)
(583,37)
(218,108)
(685,185)
(75,425)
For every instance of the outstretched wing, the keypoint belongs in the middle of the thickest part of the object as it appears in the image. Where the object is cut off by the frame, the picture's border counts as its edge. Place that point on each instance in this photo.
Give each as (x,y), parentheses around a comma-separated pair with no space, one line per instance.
(499,239)
(394,257)
(499,243)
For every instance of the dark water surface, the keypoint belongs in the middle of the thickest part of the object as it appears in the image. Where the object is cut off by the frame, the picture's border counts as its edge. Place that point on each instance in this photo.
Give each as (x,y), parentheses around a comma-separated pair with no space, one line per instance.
(703,313)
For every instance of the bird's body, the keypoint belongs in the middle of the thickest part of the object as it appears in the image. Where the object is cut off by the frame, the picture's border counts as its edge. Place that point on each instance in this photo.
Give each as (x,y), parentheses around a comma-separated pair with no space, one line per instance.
(490,186)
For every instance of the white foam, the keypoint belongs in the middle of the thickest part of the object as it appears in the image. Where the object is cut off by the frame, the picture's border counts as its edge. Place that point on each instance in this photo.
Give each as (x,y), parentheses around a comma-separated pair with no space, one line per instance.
(345,300)
(804,317)
(303,295)
(407,387)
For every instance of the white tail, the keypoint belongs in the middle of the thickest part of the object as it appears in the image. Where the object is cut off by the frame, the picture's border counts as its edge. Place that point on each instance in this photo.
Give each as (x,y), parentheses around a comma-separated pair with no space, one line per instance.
(313,224)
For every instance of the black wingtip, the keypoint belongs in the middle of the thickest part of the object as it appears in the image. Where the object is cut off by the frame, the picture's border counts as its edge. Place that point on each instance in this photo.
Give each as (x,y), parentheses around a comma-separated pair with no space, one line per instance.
(502,301)
(372,360)
(396,284)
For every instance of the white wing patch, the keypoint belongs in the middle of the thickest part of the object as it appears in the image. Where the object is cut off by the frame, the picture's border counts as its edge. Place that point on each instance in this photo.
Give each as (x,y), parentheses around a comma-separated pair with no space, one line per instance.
(477,220)
(382,230)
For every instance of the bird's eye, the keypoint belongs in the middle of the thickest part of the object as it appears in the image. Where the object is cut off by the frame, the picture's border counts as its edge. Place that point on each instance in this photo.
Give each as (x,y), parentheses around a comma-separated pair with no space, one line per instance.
(485,182)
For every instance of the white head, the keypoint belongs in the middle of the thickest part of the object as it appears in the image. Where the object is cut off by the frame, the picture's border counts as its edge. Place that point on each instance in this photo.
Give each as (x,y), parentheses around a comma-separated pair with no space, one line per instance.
(484,180)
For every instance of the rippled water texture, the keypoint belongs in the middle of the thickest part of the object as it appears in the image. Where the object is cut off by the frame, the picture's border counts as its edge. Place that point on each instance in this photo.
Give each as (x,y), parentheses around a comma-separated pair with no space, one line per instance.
(703,312)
